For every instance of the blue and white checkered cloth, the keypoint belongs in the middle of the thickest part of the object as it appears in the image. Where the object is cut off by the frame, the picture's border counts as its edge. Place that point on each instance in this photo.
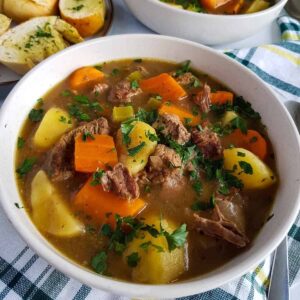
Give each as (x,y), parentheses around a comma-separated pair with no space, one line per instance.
(24,275)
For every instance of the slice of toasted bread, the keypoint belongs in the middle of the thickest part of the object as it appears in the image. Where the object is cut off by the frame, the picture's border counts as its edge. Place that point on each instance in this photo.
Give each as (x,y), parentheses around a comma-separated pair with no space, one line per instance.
(87,16)
(23,10)
(4,23)
(27,44)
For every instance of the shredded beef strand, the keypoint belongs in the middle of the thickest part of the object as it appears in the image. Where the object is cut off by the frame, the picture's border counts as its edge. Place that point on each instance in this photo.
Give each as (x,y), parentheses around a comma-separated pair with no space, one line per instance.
(208,142)
(119,181)
(172,127)
(122,92)
(202,99)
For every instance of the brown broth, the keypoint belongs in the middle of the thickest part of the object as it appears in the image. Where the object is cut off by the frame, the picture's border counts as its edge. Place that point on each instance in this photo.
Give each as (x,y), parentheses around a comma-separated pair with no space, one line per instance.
(204,253)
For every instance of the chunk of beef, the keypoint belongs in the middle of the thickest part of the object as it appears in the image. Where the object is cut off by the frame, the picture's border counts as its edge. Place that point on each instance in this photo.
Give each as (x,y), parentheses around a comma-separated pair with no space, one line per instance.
(165,167)
(119,181)
(172,127)
(202,98)
(60,162)
(227,220)
(208,142)
(100,88)
(122,92)
(185,79)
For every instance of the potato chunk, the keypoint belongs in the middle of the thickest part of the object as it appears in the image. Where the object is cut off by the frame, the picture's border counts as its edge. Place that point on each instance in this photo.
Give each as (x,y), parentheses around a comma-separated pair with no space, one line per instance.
(157,265)
(49,211)
(228,117)
(142,144)
(246,166)
(54,124)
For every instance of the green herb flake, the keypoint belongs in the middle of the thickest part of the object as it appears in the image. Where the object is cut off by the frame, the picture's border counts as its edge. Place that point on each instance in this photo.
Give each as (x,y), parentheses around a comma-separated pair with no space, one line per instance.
(241,154)
(17,205)
(96,177)
(78,8)
(133,151)
(20,142)
(253,140)
(133,259)
(134,84)
(115,72)
(99,262)
(246,167)
(26,166)
(66,93)
(185,67)
(87,135)
(177,238)
(36,115)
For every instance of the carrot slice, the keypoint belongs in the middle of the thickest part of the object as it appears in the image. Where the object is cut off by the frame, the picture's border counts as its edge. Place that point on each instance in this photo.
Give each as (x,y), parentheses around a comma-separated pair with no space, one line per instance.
(98,204)
(85,76)
(94,152)
(252,141)
(185,117)
(165,86)
(221,97)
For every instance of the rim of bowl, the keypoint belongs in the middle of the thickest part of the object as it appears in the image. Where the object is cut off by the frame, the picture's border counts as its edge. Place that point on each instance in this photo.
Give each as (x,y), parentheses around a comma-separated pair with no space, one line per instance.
(215,16)
(177,289)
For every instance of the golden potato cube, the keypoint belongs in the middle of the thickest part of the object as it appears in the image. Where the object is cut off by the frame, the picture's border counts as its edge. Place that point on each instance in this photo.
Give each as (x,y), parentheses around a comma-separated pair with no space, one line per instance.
(49,211)
(135,155)
(246,166)
(155,266)
(122,113)
(53,125)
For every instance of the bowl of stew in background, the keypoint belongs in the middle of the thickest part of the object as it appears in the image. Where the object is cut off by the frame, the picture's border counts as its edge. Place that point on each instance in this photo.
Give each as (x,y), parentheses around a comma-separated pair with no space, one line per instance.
(214,27)
(182,232)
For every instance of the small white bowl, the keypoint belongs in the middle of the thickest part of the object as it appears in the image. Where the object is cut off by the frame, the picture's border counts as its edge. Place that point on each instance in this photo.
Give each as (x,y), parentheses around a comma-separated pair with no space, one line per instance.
(207,29)
(282,132)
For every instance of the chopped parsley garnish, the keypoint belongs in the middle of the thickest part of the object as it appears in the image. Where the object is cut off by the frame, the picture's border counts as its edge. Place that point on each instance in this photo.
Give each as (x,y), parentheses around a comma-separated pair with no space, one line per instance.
(133,151)
(239,123)
(244,108)
(96,178)
(126,128)
(66,93)
(177,238)
(134,84)
(115,72)
(87,135)
(75,111)
(42,33)
(183,69)
(78,8)
(148,117)
(146,245)
(151,136)
(17,205)
(226,181)
(185,152)
(241,154)
(147,189)
(133,259)
(82,99)
(26,166)
(36,115)
(246,167)
(99,262)
(253,140)
(20,143)
(203,206)
(195,111)
(197,186)
(187,121)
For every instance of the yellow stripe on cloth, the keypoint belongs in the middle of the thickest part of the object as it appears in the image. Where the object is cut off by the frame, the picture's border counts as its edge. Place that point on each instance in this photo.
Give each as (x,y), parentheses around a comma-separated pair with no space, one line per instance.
(260,274)
(290,36)
(292,58)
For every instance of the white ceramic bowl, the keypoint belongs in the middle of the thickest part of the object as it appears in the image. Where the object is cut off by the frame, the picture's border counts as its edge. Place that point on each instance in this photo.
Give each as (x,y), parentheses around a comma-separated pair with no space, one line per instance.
(282,132)
(207,29)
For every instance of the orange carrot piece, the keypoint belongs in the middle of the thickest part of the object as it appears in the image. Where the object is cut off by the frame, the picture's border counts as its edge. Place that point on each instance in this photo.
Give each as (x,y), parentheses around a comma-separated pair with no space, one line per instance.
(165,86)
(185,117)
(221,97)
(97,203)
(95,152)
(213,4)
(85,76)
(252,141)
